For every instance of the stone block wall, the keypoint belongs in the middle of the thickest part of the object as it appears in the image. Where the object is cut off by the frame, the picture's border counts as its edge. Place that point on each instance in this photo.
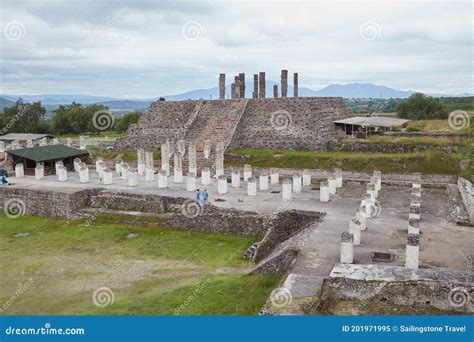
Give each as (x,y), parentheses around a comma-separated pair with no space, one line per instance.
(465,188)
(66,205)
(289,123)
(279,123)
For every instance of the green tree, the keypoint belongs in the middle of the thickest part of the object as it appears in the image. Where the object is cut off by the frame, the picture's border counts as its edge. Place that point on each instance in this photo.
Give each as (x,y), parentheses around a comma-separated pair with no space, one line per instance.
(130,118)
(76,119)
(23,117)
(421,107)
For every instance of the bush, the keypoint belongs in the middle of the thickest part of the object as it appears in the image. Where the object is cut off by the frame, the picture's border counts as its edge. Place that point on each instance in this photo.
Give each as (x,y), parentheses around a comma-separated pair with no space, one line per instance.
(421,107)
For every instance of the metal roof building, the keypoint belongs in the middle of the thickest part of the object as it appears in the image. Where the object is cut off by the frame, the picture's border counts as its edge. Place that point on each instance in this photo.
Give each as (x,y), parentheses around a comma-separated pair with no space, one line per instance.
(367,124)
(24,136)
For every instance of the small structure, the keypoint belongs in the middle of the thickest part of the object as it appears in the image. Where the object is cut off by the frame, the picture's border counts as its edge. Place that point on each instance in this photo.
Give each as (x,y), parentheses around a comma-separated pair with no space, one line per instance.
(48,155)
(24,138)
(364,125)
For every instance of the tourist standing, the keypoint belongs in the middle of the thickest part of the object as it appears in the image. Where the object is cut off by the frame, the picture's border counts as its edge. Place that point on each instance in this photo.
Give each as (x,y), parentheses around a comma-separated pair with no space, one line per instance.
(198,197)
(205,196)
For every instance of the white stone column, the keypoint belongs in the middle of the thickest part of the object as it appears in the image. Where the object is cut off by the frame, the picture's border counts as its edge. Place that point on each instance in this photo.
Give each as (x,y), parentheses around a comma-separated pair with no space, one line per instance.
(192,163)
(149,175)
(2,146)
(39,171)
(207,148)
(82,142)
(77,164)
(181,146)
(141,165)
(132,177)
(373,180)
(124,171)
(29,143)
(107,177)
(97,165)
(414,212)
(306,177)
(347,248)
(191,182)
(205,176)
(57,164)
(222,185)
(235,179)
(362,217)
(355,230)
(62,174)
(286,191)
(251,187)
(412,251)
(55,141)
(413,226)
(162,179)
(371,191)
(378,177)
(118,166)
(332,184)
(297,183)
(84,174)
(15,145)
(165,157)
(178,168)
(149,167)
(69,142)
(338,177)
(263,181)
(275,177)
(19,170)
(324,191)
(247,172)
(417,180)
(219,159)
(102,166)
(44,142)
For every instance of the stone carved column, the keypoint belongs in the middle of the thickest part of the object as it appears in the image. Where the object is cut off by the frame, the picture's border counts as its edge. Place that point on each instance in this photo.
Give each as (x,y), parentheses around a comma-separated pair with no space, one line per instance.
(261,85)
(221,86)
(284,83)
(295,85)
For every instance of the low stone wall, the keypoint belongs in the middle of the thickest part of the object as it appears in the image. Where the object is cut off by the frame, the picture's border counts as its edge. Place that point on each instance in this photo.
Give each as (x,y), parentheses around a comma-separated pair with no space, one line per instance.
(428,134)
(65,205)
(279,264)
(465,188)
(287,223)
(421,288)
(389,148)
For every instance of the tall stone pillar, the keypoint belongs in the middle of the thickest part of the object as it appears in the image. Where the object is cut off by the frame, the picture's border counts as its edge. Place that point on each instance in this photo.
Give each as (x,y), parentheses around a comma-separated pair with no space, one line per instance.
(261,85)
(295,84)
(355,230)
(412,251)
(347,248)
(284,83)
(207,148)
(221,86)
(178,168)
(255,86)
(232,91)
(192,164)
(141,162)
(181,146)
(236,87)
(286,188)
(219,159)
(275,90)
(165,158)
(242,85)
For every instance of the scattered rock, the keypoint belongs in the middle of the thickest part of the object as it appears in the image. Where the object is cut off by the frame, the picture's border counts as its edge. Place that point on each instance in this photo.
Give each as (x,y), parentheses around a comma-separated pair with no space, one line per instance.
(21,234)
(131,235)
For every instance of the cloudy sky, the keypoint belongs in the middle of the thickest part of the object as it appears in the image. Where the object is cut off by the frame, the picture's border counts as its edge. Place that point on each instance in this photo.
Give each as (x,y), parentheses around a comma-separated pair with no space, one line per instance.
(148,48)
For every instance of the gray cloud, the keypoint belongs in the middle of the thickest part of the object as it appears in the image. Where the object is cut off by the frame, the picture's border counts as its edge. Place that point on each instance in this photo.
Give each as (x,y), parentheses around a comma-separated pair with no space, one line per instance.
(137,48)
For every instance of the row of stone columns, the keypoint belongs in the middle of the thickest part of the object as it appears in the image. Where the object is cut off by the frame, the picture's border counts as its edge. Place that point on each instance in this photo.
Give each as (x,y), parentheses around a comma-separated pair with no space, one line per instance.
(412,252)
(329,187)
(358,223)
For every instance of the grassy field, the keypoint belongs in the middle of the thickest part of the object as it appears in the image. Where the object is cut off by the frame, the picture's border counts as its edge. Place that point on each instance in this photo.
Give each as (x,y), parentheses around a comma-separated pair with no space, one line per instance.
(109,134)
(127,155)
(437,162)
(60,264)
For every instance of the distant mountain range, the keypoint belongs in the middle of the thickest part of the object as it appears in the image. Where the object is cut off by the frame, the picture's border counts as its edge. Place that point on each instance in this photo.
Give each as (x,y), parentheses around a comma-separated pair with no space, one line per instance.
(117,105)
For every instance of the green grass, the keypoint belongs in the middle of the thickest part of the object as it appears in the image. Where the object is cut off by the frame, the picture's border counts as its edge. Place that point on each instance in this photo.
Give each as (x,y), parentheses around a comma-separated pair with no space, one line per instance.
(110,134)
(127,155)
(151,273)
(435,162)
(435,125)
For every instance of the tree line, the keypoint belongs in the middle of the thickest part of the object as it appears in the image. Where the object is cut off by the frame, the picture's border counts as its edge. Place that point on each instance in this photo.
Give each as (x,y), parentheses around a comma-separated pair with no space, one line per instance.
(73,118)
